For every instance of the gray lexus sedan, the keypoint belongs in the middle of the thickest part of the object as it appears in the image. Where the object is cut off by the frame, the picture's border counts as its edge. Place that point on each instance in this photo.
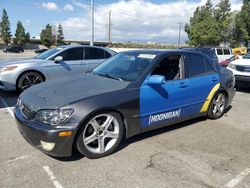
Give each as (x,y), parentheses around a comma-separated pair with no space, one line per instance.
(62,61)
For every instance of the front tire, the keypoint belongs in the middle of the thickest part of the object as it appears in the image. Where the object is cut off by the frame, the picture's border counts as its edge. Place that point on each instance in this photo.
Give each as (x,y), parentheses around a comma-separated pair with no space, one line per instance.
(101,135)
(218,106)
(28,79)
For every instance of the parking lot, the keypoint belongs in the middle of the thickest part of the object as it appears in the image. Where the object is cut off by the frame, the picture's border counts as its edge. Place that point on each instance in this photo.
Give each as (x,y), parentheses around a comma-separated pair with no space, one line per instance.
(197,153)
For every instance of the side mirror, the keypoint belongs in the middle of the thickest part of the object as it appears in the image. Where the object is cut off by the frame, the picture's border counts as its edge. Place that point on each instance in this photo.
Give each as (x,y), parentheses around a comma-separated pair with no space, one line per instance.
(58,59)
(156,80)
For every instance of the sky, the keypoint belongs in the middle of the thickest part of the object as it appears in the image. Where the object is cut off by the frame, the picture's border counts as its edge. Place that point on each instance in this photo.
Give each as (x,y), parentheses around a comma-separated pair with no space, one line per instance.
(131,20)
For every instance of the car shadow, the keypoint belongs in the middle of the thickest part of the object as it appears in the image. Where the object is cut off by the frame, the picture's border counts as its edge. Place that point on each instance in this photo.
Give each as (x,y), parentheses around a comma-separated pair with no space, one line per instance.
(137,138)
(243,89)
(9,98)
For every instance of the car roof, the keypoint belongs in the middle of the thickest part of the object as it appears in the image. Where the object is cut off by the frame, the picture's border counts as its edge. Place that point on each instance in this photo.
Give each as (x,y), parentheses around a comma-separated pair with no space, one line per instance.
(161,51)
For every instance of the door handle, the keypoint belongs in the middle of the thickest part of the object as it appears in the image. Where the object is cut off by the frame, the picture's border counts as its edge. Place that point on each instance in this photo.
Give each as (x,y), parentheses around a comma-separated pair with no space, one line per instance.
(214,79)
(183,85)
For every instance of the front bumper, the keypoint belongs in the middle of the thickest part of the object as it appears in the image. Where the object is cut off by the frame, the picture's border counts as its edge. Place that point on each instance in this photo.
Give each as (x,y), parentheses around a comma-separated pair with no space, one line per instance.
(7,82)
(240,78)
(35,132)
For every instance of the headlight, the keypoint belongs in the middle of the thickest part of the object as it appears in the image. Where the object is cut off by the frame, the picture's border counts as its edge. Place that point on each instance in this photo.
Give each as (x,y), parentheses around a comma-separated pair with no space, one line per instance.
(231,66)
(53,117)
(9,68)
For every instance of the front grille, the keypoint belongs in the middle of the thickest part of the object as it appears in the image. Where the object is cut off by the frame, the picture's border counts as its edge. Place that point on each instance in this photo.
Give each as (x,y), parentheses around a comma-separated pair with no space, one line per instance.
(27,113)
(243,68)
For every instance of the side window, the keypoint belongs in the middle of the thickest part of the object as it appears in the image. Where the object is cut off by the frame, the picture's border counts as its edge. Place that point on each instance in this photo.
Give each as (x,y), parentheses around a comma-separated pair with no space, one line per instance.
(107,55)
(170,67)
(226,51)
(195,65)
(72,54)
(219,52)
(94,53)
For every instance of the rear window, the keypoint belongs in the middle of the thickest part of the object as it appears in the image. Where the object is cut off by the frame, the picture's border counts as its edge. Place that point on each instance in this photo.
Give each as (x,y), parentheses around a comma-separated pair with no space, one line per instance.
(226,51)
(94,53)
(219,52)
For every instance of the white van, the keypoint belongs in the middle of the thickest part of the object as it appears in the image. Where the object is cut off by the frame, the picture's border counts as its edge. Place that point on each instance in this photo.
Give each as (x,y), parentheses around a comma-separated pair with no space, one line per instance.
(223,53)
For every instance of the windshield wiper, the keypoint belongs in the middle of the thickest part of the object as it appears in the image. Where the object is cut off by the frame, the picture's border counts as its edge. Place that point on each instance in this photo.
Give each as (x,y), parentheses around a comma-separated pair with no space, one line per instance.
(109,76)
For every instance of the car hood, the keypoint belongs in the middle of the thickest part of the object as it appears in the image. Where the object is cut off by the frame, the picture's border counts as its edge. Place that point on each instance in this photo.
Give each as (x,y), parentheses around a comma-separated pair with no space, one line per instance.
(57,93)
(241,62)
(4,63)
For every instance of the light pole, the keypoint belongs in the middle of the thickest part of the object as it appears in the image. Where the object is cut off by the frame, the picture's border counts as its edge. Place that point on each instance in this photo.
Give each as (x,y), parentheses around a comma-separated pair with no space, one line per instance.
(92,22)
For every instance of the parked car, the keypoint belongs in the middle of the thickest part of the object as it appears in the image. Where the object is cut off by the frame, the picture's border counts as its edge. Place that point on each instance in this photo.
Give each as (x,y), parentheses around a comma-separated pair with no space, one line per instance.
(241,70)
(14,49)
(63,61)
(223,53)
(227,61)
(233,58)
(39,51)
(130,93)
(207,51)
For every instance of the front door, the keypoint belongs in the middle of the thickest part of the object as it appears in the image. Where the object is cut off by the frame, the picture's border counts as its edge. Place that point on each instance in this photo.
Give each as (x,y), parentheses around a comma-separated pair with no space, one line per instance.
(72,64)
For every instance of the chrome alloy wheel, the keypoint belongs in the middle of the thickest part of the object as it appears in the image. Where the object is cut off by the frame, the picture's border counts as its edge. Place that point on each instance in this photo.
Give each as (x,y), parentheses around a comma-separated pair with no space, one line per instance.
(29,79)
(219,103)
(101,133)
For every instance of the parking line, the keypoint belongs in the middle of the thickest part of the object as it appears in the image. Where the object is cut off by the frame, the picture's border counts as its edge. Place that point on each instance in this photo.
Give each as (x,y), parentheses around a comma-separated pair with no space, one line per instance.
(238,178)
(18,158)
(7,107)
(52,177)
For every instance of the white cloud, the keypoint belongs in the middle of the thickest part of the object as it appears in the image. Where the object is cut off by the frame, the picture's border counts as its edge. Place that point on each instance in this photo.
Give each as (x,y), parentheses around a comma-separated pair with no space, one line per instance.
(49,6)
(136,20)
(68,7)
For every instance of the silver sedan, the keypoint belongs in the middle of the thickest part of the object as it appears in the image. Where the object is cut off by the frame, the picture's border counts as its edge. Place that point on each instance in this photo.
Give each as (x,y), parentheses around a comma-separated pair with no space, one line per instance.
(55,63)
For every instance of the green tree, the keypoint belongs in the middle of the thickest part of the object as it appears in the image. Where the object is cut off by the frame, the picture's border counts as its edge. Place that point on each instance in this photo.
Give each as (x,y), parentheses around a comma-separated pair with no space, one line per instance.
(60,35)
(27,37)
(46,36)
(5,28)
(222,15)
(203,28)
(242,23)
(21,36)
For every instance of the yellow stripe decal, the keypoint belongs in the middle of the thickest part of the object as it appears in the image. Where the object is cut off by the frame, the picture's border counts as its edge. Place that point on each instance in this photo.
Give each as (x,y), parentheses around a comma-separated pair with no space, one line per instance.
(209,98)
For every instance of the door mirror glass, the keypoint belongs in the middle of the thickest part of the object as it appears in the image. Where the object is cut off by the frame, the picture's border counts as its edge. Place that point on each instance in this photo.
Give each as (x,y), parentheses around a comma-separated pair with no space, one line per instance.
(155,80)
(58,59)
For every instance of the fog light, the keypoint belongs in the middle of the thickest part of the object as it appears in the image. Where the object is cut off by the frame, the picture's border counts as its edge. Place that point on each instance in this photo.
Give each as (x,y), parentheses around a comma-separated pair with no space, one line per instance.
(47,146)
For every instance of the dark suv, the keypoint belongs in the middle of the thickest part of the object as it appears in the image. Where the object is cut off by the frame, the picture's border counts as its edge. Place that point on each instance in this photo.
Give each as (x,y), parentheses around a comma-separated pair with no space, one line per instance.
(15,49)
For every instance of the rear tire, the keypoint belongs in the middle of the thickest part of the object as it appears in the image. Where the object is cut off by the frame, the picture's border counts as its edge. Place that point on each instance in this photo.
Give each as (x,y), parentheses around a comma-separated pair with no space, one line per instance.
(100,135)
(218,106)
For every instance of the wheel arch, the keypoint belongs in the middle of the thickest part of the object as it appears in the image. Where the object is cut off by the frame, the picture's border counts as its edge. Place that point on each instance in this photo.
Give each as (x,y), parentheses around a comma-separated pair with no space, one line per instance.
(30,70)
(97,111)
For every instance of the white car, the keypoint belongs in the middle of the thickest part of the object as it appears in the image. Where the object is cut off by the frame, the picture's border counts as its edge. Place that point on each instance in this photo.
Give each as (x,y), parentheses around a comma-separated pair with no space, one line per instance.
(223,53)
(241,69)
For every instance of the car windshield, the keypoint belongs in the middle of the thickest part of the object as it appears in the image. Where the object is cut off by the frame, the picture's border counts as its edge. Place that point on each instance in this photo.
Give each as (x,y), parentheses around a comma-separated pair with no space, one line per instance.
(126,66)
(48,53)
(247,56)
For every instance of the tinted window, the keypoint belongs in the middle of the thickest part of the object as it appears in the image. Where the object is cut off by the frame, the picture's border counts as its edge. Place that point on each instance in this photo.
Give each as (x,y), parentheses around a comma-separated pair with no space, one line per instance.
(195,65)
(107,55)
(94,53)
(226,52)
(72,54)
(219,52)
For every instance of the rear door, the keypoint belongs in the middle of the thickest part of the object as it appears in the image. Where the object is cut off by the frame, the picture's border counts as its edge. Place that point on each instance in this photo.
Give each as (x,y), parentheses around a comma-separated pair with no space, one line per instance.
(94,57)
